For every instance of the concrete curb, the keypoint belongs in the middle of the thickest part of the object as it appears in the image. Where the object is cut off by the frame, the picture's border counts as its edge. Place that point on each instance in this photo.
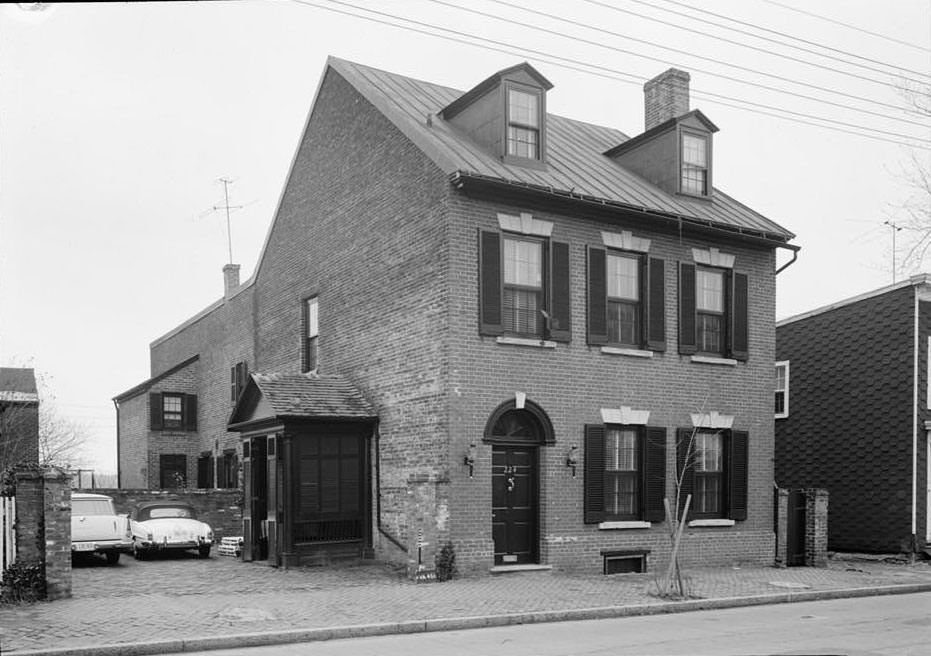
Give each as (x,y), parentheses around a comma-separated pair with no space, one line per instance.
(462,623)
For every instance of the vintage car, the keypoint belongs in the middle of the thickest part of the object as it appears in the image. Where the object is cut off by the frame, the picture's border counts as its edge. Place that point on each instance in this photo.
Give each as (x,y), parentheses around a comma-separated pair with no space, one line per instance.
(160,526)
(96,528)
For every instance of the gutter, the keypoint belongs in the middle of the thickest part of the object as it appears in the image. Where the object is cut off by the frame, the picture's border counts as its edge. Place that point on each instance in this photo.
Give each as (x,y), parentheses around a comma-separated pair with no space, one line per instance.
(914,545)
(119,471)
(790,262)
(381,528)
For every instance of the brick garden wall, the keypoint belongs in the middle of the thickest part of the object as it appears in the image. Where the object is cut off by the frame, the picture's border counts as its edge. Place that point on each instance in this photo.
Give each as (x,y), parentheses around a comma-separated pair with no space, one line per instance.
(221,509)
(849,428)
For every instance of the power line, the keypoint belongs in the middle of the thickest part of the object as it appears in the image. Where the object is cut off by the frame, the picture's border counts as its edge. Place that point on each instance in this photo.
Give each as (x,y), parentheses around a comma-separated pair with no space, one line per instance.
(848,25)
(766,29)
(752,47)
(628,52)
(510,49)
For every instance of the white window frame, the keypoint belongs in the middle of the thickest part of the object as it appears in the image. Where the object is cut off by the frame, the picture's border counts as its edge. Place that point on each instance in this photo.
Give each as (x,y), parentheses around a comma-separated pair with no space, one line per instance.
(785,391)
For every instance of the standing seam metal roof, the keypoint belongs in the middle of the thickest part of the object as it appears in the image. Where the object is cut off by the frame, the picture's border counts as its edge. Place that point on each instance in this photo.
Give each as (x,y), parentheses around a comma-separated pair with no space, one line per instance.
(575,159)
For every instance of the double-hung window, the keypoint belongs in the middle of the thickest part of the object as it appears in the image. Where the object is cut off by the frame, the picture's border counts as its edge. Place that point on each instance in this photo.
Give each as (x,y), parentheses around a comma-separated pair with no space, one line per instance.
(523,286)
(309,354)
(714,311)
(709,307)
(712,466)
(523,124)
(694,178)
(624,308)
(172,411)
(782,389)
(625,473)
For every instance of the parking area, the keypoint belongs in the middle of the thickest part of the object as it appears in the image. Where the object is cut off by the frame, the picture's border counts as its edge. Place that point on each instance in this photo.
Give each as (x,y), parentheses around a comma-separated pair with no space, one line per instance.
(184,573)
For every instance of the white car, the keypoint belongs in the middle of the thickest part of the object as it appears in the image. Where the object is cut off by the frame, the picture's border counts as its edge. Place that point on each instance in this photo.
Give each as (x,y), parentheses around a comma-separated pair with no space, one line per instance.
(96,528)
(160,526)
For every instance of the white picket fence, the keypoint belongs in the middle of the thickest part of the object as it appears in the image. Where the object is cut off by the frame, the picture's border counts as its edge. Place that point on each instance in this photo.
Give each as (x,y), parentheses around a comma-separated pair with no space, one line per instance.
(7,531)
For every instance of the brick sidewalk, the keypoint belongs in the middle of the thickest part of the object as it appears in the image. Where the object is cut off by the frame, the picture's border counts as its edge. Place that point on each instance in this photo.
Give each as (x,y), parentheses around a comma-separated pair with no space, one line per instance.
(185,599)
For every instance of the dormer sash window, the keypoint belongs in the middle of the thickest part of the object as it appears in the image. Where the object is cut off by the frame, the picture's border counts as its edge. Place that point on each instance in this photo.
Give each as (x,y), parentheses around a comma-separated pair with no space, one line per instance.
(524,139)
(694,177)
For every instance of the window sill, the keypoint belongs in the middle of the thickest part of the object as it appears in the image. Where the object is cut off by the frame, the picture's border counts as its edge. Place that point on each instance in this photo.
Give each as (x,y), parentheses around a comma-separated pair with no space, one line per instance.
(525,341)
(784,416)
(710,359)
(631,352)
(609,526)
(711,522)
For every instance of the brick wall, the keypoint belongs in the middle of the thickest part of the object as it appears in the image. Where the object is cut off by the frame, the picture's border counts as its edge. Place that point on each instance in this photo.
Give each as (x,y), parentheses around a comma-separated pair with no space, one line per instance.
(19,434)
(221,509)
(849,428)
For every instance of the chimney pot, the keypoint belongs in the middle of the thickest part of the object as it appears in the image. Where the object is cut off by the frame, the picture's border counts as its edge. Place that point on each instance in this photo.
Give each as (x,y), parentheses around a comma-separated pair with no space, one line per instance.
(666,96)
(230,280)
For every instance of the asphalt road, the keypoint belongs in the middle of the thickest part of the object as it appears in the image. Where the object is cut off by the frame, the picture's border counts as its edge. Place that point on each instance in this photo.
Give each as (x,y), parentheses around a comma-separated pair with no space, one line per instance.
(896,625)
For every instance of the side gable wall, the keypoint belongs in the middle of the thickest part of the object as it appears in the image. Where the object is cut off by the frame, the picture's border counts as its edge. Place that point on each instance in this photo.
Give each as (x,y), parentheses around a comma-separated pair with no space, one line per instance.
(362,224)
(849,428)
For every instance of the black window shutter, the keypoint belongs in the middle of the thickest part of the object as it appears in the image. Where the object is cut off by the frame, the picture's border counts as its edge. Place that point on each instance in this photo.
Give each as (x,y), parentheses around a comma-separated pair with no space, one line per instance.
(654,474)
(156,414)
(597,297)
(656,305)
(221,472)
(190,412)
(233,384)
(209,472)
(687,341)
(737,474)
(490,283)
(740,319)
(594,473)
(685,468)
(560,305)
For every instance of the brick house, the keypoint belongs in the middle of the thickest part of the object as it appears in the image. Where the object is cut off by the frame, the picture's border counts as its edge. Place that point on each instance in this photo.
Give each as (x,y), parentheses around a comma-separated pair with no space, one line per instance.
(853,414)
(476,322)
(19,417)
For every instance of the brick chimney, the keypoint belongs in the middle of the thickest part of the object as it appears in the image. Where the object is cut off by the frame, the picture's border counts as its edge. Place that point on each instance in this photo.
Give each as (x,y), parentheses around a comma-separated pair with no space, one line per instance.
(230,280)
(666,96)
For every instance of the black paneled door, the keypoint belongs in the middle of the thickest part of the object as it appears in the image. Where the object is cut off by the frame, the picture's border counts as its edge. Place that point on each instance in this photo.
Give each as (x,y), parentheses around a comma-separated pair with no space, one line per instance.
(514,504)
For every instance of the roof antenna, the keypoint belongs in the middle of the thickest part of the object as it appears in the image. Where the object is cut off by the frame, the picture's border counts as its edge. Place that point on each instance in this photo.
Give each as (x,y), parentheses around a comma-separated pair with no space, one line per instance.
(895,229)
(226,206)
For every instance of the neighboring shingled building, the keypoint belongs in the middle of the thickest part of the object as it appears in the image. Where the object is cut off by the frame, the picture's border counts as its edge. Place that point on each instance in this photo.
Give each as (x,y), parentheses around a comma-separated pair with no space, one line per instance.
(19,417)
(853,414)
(479,323)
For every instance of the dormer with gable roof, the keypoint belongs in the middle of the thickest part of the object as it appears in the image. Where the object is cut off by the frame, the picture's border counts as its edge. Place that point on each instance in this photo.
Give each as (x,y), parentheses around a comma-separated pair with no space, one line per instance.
(675,150)
(506,113)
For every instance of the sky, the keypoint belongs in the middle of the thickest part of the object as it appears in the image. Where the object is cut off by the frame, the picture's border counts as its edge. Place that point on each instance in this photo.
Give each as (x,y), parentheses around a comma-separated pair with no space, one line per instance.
(118,120)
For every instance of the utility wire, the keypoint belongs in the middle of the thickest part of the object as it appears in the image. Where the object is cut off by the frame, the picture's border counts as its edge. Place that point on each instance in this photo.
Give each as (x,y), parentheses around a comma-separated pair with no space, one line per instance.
(752,47)
(705,71)
(613,74)
(848,25)
(765,29)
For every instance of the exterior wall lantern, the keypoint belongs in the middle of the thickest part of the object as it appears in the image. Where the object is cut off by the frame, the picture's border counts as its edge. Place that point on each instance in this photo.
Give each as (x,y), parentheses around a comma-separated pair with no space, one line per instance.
(469,459)
(572,458)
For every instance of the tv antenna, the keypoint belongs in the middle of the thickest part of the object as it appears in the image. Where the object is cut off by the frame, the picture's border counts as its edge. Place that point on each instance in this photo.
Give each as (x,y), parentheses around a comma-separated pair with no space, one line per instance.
(227,208)
(895,229)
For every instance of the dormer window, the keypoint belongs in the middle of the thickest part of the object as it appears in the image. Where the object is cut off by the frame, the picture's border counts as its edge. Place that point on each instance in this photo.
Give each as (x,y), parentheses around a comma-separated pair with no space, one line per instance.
(523,124)
(694,174)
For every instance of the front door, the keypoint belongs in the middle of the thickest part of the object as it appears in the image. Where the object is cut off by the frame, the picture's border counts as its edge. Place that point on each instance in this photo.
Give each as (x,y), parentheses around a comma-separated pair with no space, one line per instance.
(514,504)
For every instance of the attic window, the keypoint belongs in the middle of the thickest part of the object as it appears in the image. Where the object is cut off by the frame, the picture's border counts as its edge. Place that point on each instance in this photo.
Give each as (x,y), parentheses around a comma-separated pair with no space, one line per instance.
(694,178)
(523,124)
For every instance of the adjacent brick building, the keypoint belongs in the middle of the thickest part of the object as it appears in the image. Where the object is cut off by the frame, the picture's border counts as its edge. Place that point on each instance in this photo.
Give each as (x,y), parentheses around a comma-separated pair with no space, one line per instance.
(853,414)
(19,417)
(479,323)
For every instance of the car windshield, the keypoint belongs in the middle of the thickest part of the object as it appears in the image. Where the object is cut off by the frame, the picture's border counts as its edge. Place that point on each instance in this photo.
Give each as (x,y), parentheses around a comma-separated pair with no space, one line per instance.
(183,512)
(91,507)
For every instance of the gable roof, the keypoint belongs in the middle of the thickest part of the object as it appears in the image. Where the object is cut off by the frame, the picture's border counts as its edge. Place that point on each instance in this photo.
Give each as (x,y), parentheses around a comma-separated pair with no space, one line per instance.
(143,386)
(18,385)
(576,164)
(305,396)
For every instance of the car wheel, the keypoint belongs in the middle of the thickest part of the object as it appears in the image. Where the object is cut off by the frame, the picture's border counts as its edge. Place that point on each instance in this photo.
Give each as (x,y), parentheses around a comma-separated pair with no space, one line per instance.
(113,557)
(138,553)
(204,550)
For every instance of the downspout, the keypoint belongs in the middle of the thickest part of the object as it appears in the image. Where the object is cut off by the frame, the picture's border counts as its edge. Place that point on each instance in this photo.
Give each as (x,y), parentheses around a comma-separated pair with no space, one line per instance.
(382,529)
(119,482)
(914,545)
(795,250)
